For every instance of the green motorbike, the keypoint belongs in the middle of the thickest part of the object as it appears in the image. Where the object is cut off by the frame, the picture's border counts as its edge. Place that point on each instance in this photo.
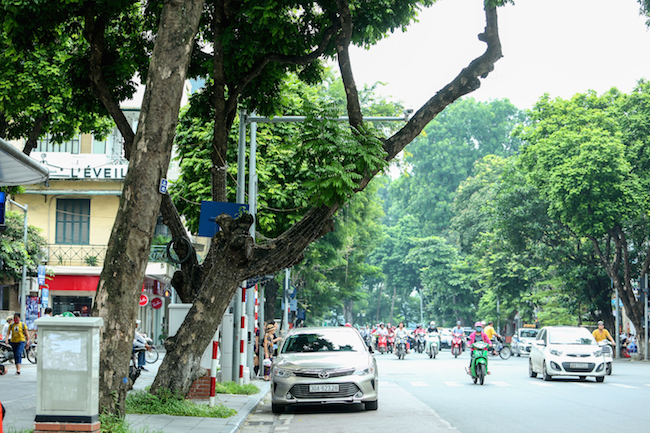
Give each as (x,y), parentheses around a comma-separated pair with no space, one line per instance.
(478,369)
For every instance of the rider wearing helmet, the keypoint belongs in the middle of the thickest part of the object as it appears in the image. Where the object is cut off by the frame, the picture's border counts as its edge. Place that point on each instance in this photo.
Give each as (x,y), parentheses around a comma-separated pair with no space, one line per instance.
(478,333)
(432,327)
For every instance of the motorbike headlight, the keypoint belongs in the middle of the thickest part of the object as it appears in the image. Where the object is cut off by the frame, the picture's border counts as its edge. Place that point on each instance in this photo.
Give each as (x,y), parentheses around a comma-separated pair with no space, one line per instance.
(364,371)
(556,352)
(598,353)
(282,373)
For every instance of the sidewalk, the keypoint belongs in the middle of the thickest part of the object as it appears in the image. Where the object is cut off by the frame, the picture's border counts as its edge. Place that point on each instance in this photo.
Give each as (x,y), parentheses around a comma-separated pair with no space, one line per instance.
(18,394)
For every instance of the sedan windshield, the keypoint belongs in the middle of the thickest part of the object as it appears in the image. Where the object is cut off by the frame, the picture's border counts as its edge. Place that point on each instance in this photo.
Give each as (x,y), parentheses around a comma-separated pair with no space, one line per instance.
(571,336)
(319,342)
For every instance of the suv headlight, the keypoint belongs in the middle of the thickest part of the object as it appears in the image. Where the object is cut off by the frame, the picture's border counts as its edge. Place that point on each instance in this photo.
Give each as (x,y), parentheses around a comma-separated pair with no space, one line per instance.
(282,373)
(556,352)
(364,371)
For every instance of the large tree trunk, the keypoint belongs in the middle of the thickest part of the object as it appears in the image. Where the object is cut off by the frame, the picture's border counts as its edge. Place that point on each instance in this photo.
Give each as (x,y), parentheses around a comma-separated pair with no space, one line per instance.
(348,311)
(128,248)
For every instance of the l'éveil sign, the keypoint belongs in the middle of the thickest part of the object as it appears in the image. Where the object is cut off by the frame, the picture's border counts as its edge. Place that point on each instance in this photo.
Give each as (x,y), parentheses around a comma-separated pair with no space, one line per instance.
(211,209)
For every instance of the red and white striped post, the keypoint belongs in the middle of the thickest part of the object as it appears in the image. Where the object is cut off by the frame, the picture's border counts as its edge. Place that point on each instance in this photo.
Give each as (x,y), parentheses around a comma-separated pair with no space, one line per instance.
(243,334)
(213,373)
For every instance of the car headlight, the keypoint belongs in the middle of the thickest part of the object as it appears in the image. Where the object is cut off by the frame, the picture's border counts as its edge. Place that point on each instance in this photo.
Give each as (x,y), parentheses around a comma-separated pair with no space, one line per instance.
(598,353)
(282,373)
(364,371)
(556,352)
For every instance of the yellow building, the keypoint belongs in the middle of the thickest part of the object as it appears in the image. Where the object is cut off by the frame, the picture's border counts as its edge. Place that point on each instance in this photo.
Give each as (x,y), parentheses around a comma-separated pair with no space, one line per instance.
(76,212)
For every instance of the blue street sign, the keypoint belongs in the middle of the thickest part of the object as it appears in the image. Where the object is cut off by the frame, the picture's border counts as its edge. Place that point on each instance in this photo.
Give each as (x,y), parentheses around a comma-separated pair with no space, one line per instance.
(163,186)
(211,209)
(41,275)
(45,297)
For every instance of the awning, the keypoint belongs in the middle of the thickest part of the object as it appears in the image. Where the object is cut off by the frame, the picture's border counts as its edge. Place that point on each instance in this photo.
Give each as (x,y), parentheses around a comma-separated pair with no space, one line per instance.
(16,168)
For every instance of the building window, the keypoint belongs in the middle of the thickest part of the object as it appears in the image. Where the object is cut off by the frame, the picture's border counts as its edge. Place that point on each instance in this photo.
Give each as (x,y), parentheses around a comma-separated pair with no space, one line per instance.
(46,144)
(73,221)
(5,296)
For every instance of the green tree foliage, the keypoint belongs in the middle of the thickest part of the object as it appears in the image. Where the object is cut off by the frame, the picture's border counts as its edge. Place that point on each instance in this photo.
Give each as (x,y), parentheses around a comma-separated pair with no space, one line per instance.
(586,156)
(12,248)
(444,155)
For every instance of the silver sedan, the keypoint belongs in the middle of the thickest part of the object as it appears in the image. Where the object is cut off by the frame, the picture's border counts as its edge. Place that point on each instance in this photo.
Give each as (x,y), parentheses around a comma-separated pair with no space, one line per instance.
(324,365)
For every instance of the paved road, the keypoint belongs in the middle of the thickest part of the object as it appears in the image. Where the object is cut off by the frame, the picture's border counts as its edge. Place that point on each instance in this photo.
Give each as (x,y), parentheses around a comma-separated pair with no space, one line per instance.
(419,394)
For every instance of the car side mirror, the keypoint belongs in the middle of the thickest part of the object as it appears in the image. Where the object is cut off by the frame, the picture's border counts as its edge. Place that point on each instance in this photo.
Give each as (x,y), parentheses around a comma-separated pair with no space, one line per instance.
(370,349)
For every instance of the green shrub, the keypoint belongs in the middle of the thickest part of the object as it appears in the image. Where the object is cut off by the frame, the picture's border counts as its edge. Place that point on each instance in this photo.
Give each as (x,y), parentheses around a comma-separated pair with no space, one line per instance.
(171,403)
(233,388)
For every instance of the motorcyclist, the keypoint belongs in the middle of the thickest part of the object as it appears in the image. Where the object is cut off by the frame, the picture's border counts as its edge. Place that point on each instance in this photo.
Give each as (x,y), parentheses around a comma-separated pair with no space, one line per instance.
(478,332)
(419,330)
(432,327)
(458,330)
(491,333)
(601,333)
(402,332)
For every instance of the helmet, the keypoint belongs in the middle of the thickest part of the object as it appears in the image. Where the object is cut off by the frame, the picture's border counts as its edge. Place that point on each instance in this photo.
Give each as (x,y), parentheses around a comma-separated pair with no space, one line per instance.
(478,325)
(419,325)
(68,314)
(458,323)
(381,323)
(432,323)
(348,325)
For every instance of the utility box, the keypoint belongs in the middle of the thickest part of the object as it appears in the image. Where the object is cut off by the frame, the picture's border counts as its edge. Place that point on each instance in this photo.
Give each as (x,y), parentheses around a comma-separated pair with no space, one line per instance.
(67,385)
(177,313)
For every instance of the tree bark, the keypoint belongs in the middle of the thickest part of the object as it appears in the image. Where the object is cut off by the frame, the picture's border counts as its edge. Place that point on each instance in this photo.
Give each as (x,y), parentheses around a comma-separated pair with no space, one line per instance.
(348,311)
(271,295)
(128,248)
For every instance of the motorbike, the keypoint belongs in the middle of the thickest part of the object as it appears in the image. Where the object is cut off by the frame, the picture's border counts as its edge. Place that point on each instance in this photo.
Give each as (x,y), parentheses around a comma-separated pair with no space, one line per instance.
(500,349)
(479,364)
(134,369)
(7,352)
(420,343)
(391,343)
(152,354)
(382,343)
(456,344)
(400,347)
(433,344)
(608,353)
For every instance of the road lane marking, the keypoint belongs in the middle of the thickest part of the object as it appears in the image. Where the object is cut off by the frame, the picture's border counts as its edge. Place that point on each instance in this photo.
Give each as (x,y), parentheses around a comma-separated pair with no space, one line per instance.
(453,384)
(419,384)
(388,384)
(541,383)
(497,383)
(586,385)
(621,385)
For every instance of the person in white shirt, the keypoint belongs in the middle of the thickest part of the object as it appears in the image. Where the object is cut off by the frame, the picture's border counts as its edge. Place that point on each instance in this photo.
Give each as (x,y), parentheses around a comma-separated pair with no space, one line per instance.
(5,329)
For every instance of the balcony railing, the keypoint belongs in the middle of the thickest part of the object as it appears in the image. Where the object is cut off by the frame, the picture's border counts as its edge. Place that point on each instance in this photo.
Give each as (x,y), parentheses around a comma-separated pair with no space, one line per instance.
(91,255)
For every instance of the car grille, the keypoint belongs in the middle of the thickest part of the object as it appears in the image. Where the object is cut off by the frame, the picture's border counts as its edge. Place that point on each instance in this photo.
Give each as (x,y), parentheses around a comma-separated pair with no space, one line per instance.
(578,355)
(567,367)
(345,390)
(316,373)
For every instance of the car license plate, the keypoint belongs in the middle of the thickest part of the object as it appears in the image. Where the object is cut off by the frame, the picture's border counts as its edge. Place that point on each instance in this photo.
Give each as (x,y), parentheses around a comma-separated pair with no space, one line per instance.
(579,365)
(324,388)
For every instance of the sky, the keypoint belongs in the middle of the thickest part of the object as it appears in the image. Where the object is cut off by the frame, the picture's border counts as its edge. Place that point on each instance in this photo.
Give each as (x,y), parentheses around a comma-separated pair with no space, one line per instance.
(560,47)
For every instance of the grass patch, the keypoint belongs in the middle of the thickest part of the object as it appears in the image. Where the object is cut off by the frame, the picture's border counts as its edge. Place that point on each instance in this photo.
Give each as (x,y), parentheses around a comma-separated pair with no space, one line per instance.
(233,388)
(115,424)
(171,403)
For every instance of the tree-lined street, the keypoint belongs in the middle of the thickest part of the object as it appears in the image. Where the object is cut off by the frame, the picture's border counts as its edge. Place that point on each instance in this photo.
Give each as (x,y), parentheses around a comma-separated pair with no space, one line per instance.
(419,394)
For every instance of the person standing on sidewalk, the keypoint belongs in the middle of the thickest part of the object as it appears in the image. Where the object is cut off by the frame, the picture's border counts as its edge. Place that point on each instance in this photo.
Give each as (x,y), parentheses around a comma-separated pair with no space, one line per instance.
(18,336)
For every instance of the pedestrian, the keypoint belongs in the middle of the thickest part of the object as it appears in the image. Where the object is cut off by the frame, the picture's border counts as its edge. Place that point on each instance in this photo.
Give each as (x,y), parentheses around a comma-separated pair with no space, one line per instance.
(19,336)
(268,350)
(48,312)
(5,329)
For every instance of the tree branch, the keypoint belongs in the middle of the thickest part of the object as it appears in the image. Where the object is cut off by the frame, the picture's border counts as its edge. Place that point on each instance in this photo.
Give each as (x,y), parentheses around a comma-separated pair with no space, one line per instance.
(94,33)
(342,49)
(32,140)
(235,90)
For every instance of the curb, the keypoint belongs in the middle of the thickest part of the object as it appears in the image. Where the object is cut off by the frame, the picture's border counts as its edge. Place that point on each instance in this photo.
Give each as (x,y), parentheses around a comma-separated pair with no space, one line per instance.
(236,422)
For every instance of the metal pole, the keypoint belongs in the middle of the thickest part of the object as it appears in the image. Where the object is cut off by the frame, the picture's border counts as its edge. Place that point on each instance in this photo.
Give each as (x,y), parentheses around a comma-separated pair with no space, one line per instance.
(237,310)
(645,323)
(23,283)
(618,325)
(252,199)
(421,309)
(285,297)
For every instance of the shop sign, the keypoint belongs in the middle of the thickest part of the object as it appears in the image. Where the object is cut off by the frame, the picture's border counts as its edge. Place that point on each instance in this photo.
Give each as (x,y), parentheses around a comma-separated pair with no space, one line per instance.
(144,300)
(156,303)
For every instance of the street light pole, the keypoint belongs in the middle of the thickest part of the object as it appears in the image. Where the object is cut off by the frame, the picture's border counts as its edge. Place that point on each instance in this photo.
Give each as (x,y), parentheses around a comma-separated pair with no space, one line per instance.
(23,284)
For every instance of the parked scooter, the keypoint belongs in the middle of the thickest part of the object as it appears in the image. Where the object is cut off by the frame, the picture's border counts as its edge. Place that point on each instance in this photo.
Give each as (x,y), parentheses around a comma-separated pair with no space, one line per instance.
(400,347)
(608,353)
(382,343)
(456,344)
(433,344)
(479,365)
